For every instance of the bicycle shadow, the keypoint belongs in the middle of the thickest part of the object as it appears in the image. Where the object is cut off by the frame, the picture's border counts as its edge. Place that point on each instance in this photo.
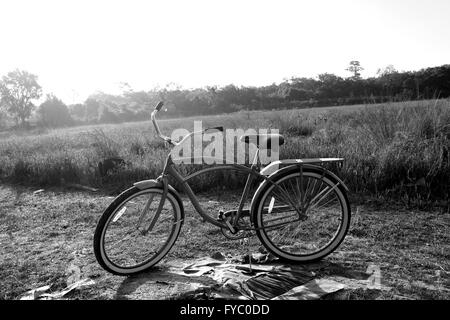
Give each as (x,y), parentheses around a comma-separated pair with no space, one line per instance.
(168,281)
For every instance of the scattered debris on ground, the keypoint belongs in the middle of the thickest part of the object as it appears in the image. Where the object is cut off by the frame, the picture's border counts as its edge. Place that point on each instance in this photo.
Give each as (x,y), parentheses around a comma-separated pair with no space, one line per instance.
(218,278)
(39,293)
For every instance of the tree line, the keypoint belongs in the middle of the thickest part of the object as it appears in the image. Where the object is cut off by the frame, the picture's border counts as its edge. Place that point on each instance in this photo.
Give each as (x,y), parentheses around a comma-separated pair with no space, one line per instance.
(19,89)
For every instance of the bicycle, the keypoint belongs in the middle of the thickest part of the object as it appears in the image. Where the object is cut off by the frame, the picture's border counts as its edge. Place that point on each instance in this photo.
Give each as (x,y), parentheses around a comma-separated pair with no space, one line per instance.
(300,211)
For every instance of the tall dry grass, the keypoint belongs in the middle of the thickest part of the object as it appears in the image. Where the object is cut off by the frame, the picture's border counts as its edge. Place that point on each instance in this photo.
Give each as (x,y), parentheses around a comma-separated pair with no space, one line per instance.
(399,149)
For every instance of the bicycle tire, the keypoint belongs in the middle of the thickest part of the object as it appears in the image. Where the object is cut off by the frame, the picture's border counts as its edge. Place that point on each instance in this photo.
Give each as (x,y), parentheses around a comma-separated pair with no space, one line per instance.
(104,258)
(279,250)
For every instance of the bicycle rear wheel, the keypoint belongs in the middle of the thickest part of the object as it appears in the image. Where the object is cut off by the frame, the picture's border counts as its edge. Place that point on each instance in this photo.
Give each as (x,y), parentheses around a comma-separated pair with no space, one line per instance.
(302,236)
(129,239)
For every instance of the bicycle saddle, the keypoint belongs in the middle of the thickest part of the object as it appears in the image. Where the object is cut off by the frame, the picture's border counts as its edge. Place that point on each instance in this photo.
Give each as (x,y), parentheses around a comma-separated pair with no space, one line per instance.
(263,140)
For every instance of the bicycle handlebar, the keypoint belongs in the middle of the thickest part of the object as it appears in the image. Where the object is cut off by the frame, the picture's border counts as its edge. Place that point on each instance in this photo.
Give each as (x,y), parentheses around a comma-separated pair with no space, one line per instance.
(159,106)
(167,139)
(155,123)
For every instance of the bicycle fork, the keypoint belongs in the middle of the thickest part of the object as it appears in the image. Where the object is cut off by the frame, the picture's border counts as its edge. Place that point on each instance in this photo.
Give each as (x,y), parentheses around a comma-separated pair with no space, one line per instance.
(158,211)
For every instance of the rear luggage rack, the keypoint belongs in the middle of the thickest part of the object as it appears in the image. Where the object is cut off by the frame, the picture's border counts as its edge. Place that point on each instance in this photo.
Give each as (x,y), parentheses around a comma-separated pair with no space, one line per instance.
(274,166)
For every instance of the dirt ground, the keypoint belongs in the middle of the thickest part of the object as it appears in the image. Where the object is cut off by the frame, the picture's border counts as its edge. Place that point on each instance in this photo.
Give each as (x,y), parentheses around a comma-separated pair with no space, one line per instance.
(47,236)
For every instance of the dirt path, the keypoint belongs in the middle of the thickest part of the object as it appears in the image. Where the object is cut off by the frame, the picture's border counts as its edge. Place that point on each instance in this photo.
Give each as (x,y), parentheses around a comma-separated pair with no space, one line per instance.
(46,239)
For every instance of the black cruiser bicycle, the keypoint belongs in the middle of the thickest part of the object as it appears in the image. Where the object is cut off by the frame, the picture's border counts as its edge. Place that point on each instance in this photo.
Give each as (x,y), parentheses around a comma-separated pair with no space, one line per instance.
(300,210)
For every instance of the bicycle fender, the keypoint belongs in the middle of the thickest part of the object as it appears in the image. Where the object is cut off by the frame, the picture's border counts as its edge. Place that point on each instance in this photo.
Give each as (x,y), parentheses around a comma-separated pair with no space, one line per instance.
(145,184)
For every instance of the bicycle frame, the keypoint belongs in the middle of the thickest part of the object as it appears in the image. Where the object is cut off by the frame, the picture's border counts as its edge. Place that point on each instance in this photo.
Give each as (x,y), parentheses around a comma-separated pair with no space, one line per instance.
(253,174)
(171,170)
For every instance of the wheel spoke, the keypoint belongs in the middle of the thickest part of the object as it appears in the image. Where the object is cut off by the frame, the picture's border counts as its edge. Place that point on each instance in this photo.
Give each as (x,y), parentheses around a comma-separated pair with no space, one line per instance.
(328,190)
(311,233)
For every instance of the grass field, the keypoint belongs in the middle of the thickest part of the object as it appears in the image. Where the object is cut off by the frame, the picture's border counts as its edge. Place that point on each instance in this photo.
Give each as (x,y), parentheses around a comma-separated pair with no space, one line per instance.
(395,152)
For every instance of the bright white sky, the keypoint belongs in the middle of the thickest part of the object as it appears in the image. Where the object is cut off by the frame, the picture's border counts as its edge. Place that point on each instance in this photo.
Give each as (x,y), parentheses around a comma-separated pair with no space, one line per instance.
(77,47)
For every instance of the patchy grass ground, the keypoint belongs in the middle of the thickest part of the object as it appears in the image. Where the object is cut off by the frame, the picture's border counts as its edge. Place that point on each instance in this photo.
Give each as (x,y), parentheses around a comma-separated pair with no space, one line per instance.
(42,235)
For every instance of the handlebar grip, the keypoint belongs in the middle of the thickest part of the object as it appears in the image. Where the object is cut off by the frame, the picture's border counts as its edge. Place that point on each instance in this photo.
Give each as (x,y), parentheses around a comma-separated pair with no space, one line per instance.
(159,106)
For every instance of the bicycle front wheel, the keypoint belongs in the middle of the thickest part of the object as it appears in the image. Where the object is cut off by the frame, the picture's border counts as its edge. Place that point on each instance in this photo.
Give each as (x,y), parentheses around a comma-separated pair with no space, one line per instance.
(130,237)
(303,216)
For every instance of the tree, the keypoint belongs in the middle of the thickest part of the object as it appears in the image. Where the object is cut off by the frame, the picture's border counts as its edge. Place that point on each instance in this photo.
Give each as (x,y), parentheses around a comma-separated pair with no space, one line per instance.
(92,110)
(125,114)
(331,86)
(355,68)
(2,117)
(106,115)
(17,89)
(78,111)
(390,69)
(54,113)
